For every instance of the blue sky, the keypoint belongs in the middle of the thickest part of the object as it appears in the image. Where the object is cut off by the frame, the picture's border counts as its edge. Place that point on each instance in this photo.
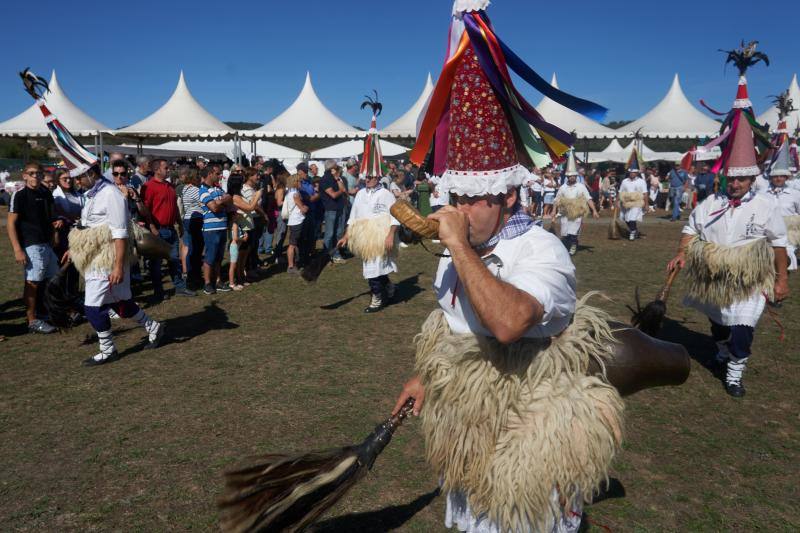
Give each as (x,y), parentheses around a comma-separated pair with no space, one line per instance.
(247,60)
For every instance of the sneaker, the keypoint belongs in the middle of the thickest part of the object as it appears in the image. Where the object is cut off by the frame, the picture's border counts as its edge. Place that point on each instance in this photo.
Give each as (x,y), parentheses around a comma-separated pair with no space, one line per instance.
(573,249)
(154,339)
(375,305)
(40,326)
(338,260)
(632,236)
(101,359)
(209,289)
(293,270)
(237,287)
(403,245)
(225,287)
(183,291)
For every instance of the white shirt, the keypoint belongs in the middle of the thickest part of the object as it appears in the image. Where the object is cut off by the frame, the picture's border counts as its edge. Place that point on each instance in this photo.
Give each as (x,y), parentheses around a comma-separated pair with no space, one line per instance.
(571,192)
(757,218)
(536,185)
(788,200)
(108,207)
(535,262)
(761,184)
(636,184)
(444,196)
(296,216)
(370,203)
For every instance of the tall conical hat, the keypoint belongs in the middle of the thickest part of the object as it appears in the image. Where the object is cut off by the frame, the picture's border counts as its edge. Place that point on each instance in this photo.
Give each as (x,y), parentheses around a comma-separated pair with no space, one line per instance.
(633,162)
(781,164)
(372,160)
(480,130)
(742,160)
(572,167)
(742,98)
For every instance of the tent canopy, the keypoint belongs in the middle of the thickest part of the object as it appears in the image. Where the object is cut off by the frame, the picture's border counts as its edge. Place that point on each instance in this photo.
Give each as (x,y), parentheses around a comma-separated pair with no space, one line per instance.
(30,123)
(306,117)
(793,120)
(616,153)
(674,117)
(356,148)
(228,148)
(569,120)
(181,116)
(406,125)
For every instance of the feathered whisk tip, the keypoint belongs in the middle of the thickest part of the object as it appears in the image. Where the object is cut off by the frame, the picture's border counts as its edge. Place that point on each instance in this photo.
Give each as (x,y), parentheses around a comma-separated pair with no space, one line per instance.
(648,319)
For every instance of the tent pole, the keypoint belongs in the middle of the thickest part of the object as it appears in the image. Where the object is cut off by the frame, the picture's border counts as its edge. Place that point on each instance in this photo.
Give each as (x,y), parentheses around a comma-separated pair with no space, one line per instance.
(102,164)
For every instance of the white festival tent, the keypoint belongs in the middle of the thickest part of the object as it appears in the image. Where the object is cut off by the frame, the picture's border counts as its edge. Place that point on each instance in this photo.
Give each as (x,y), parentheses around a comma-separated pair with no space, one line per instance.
(569,120)
(615,153)
(673,118)
(356,148)
(30,123)
(406,125)
(771,115)
(306,117)
(180,117)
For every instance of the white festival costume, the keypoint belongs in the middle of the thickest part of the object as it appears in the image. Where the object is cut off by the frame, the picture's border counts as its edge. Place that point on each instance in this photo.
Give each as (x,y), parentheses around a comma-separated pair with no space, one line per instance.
(107,207)
(633,214)
(370,204)
(571,192)
(758,217)
(789,202)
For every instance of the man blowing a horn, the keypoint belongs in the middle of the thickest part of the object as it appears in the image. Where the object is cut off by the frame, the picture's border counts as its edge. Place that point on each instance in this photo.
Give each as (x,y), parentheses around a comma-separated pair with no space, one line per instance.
(519,433)
(573,202)
(734,251)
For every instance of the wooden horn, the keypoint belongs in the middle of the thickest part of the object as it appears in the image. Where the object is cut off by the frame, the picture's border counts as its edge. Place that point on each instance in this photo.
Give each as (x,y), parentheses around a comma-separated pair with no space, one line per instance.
(409,217)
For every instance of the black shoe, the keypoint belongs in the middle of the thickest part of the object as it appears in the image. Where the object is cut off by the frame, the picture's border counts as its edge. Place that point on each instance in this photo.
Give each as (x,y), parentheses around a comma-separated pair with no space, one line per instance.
(225,287)
(183,291)
(94,362)
(209,289)
(735,389)
(375,305)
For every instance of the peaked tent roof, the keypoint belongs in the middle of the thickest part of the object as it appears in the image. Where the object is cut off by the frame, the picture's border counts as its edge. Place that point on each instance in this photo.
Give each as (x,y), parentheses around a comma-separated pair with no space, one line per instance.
(181,116)
(263,148)
(569,120)
(770,116)
(30,123)
(356,148)
(616,153)
(406,125)
(306,117)
(673,117)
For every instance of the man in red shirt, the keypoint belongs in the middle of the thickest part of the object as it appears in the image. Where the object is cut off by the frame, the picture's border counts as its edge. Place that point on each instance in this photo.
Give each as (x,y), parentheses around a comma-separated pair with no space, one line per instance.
(160,199)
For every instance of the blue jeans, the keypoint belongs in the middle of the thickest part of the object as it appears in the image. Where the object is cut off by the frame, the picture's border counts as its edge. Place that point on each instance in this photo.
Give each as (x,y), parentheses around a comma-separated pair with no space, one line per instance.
(173,263)
(334,229)
(675,195)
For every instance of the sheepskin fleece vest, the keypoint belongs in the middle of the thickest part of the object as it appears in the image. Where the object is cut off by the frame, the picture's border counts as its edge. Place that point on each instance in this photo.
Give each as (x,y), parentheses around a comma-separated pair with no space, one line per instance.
(721,275)
(366,237)
(631,199)
(92,249)
(508,424)
(793,229)
(574,208)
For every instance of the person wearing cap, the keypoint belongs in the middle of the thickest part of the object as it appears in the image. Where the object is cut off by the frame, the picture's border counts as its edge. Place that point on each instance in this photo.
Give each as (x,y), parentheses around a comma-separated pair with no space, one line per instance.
(633,197)
(506,292)
(788,200)
(733,249)
(573,202)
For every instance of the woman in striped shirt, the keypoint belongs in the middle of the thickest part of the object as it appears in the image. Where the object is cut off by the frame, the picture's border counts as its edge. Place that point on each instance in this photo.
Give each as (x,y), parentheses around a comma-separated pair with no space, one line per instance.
(189,200)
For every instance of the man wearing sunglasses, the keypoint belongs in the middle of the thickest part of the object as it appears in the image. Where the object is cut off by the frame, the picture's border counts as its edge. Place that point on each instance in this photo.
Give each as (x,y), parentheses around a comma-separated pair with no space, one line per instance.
(31,224)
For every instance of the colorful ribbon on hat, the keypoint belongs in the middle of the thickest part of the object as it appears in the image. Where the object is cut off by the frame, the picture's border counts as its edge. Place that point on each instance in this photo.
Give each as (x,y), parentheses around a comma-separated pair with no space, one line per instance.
(77,158)
(495,58)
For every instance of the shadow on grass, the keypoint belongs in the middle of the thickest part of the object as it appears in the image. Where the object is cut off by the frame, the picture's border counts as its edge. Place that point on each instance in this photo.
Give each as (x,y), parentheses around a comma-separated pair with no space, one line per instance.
(405,290)
(386,519)
(701,347)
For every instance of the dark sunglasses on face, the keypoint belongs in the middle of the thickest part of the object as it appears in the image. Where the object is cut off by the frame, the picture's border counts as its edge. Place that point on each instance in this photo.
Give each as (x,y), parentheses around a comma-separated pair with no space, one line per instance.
(118,174)
(34,173)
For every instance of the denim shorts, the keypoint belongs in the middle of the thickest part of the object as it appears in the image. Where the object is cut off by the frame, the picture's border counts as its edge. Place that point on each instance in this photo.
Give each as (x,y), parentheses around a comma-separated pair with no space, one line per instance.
(215,246)
(42,263)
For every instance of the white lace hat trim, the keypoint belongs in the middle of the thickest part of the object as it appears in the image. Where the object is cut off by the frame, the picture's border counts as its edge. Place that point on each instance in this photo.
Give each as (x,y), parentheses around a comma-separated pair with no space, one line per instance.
(461,6)
(743,171)
(482,183)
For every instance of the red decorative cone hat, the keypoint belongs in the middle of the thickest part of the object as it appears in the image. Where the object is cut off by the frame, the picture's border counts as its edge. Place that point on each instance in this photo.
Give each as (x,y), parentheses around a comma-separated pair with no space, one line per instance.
(481,154)
(742,98)
(742,160)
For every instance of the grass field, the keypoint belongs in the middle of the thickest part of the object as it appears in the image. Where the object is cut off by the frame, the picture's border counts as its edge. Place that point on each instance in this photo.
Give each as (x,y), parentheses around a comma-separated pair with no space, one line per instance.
(283,366)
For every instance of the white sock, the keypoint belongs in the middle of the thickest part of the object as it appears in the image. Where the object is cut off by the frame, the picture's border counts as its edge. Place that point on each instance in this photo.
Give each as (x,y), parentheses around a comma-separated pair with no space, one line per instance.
(150,325)
(735,370)
(106,341)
